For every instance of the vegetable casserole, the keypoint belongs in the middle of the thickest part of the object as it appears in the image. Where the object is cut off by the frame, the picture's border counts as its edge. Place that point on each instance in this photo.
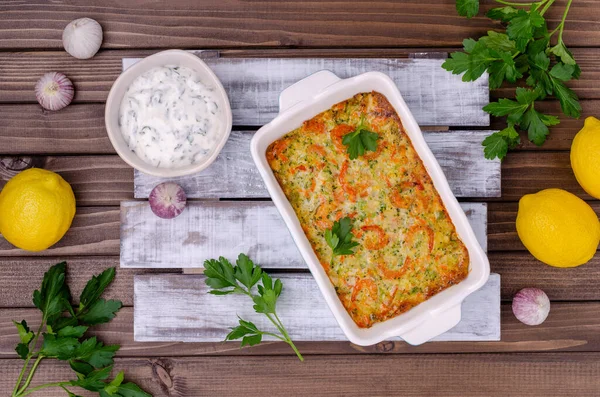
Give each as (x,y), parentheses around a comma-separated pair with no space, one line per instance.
(408,249)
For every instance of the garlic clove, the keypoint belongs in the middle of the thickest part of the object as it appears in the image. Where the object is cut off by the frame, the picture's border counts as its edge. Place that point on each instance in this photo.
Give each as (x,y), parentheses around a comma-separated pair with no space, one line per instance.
(531,306)
(167,200)
(54,91)
(82,38)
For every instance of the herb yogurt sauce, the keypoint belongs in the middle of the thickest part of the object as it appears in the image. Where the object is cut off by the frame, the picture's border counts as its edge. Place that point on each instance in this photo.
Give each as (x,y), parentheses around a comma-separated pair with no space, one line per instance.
(170,118)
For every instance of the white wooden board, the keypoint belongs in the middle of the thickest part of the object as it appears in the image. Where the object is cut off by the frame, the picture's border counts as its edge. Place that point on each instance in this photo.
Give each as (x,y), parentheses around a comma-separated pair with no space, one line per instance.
(178,308)
(234,175)
(435,96)
(209,229)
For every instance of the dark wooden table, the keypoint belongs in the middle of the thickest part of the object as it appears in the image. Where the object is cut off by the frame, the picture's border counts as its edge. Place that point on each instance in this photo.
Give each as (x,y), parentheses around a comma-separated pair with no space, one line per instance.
(560,357)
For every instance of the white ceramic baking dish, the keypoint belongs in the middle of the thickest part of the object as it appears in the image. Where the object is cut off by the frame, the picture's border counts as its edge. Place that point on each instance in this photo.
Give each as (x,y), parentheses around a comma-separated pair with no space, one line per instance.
(306,99)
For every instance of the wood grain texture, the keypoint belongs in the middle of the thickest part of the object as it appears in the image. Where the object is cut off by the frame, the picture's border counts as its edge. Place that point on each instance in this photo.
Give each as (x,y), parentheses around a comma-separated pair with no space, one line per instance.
(79,129)
(228,23)
(20,276)
(472,375)
(434,96)
(569,327)
(96,180)
(209,229)
(94,231)
(502,232)
(234,175)
(178,308)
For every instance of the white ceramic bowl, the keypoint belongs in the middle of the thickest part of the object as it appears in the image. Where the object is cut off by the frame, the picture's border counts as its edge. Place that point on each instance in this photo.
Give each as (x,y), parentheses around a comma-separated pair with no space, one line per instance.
(113,103)
(306,99)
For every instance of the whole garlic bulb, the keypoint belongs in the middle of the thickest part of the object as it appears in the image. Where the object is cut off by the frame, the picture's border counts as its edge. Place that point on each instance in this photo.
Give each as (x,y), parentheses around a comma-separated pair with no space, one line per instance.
(82,38)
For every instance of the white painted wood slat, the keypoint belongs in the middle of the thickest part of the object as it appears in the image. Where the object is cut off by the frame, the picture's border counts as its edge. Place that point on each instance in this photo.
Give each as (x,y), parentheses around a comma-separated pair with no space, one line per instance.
(178,308)
(209,229)
(234,175)
(434,96)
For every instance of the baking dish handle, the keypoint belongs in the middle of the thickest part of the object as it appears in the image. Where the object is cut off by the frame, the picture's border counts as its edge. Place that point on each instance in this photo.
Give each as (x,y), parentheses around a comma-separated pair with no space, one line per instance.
(433,327)
(306,88)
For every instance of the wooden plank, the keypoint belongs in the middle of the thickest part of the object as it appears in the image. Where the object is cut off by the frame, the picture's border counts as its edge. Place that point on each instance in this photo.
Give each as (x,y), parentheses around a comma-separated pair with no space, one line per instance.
(94,77)
(178,308)
(502,232)
(96,180)
(94,231)
(234,175)
(211,229)
(570,327)
(79,129)
(434,96)
(20,276)
(470,375)
(232,23)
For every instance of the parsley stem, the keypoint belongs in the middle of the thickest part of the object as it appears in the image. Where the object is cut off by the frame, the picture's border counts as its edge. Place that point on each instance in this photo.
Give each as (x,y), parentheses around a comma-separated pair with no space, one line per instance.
(16,390)
(548,4)
(31,373)
(289,339)
(44,386)
(562,22)
(509,3)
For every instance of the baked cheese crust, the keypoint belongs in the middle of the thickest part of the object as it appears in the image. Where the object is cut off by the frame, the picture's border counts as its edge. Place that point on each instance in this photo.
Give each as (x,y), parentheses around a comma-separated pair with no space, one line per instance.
(409,249)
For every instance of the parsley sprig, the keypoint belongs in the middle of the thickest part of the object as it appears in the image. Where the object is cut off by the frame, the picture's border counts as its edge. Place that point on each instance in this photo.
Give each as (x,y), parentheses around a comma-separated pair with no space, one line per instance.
(524,51)
(62,329)
(339,238)
(224,278)
(360,140)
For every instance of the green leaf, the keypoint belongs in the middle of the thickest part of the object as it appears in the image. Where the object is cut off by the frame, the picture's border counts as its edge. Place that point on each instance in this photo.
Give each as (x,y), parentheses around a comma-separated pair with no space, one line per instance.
(359,141)
(525,96)
(25,334)
(504,107)
(219,274)
(132,390)
(467,8)
(562,71)
(561,51)
(568,99)
(245,271)
(537,131)
(251,340)
(22,350)
(81,369)
(505,69)
(459,62)
(245,328)
(497,144)
(499,42)
(113,386)
(503,14)
(101,311)
(93,381)
(95,288)
(469,45)
(62,348)
(95,353)
(343,237)
(71,331)
(53,297)
(541,61)
(521,27)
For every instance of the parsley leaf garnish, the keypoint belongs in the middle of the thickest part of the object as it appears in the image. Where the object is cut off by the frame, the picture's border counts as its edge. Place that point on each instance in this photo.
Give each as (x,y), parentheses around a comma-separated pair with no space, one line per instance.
(63,328)
(524,51)
(224,278)
(360,140)
(339,238)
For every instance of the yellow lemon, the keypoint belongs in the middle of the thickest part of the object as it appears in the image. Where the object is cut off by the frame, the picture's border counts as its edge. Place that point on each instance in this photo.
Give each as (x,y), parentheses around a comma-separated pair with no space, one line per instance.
(558,228)
(585,156)
(36,209)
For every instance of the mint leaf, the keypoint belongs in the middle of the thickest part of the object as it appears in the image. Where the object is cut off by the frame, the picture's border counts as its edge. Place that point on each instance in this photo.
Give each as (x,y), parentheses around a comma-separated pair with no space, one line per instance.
(467,8)
(101,311)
